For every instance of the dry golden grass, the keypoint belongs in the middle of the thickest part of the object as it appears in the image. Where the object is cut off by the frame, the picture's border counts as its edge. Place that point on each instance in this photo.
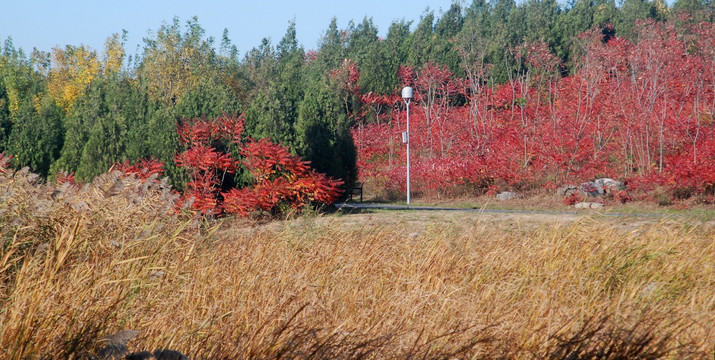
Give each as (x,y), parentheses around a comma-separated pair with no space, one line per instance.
(385,285)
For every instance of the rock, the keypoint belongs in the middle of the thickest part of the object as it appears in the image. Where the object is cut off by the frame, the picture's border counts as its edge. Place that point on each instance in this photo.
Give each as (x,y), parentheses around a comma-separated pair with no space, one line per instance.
(566,190)
(116,344)
(116,348)
(140,355)
(609,184)
(591,188)
(159,354)
(588,205)
(156,275)
(506,195)
(165,354)
(599,187)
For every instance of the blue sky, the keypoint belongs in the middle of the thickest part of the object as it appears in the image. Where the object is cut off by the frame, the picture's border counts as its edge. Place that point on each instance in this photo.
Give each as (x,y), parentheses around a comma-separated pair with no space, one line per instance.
(46,24)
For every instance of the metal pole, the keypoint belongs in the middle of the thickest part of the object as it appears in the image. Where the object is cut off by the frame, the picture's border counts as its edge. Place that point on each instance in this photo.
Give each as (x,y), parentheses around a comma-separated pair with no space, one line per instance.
(408,151)
(407,95)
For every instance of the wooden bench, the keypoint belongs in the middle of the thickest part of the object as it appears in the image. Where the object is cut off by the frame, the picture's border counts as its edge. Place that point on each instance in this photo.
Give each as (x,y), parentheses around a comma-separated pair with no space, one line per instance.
(356,190)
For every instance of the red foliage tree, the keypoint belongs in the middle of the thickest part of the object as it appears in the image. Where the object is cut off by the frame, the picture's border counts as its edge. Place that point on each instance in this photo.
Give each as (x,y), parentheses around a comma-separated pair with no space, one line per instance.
(281,180)
(142,169)
(205,163)
(641,111)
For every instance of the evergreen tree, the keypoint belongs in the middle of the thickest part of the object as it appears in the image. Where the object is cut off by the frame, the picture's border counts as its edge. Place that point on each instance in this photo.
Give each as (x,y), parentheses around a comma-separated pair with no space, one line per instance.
(274,108)
(37,135)
(5,124)
(365,50)
(501,39)
(87,109)
(631,11)
(333,47)
(420,41)
(104,146)
(445,32)
(207,98)
(323,130)
(395,50)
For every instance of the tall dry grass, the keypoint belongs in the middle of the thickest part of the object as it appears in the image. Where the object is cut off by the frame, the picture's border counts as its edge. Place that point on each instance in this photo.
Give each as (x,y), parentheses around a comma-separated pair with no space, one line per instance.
(79,264)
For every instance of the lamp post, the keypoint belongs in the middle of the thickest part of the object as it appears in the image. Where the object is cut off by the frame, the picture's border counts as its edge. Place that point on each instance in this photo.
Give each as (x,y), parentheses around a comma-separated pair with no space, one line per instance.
(407,95)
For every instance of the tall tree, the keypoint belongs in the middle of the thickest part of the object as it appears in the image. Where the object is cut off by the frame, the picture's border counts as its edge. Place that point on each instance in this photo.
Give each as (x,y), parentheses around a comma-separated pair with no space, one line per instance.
(274,108)
(174,61)
(631,11)
(420,41)
(501,39)
(395,50)
(333,46)
(73,69)
(365,50)
(37,135)
(445,32)
(323,129)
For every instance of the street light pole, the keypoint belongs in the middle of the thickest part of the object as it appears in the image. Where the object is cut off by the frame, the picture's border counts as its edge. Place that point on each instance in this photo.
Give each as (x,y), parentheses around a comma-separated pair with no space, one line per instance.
(407,95)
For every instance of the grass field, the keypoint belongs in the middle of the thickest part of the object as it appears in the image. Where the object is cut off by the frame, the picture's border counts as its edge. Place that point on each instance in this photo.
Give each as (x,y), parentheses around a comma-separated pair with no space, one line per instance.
(79,264)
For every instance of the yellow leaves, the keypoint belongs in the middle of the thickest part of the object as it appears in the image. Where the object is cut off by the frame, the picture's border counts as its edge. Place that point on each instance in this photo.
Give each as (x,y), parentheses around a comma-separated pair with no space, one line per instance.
(13,97)
(661,8)
(73,70)
(168,71)
(113,55)
(173,62)
(75,67)
(37,101)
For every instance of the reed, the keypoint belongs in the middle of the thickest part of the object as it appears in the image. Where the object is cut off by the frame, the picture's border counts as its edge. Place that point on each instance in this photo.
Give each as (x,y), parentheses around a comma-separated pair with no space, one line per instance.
(78,264)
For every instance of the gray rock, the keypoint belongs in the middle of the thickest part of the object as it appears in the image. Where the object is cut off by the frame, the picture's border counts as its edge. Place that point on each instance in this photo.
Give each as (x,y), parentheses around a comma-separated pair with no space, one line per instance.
(506,195)
(567,190)
(591,188)
(588,205)
(165,354)
(609,184)
(116,345)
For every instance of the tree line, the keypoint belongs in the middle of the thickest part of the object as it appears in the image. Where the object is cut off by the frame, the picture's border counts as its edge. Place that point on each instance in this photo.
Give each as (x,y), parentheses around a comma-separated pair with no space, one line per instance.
(80,110)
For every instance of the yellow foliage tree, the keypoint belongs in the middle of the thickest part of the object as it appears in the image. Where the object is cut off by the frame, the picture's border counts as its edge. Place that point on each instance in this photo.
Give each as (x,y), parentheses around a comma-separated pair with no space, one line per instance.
(73,69)
(113,54)
(174,62)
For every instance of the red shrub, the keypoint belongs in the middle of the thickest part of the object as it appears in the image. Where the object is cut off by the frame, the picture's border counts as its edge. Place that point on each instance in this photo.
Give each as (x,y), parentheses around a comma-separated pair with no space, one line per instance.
(281,180)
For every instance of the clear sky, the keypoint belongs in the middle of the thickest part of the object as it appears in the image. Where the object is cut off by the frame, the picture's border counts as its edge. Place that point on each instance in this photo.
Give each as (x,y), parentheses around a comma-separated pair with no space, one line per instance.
(49,23)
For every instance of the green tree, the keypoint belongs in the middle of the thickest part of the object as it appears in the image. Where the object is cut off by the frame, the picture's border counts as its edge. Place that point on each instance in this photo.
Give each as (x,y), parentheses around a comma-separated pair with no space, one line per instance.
(501,39)
(279,90)
(104,147)
(420,41)
(445,33)
(365,50)
(631,11)
(37,135)
(209,97)
(395,50)
(323,130)
(163,142)
(333,46)
(87,109)
(5,124)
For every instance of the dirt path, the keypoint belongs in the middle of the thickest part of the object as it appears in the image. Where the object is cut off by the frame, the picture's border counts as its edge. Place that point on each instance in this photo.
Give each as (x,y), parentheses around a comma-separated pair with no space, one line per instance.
(421,217)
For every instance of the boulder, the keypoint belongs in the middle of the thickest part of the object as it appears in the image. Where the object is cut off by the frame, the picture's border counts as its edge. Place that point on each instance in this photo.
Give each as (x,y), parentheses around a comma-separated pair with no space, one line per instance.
(567,190)
(600,187)
(609,184)
(506,195)
(591,188)
(588,205)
